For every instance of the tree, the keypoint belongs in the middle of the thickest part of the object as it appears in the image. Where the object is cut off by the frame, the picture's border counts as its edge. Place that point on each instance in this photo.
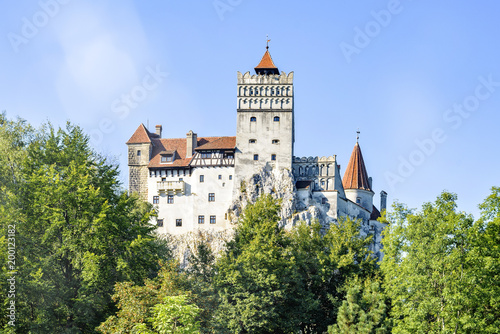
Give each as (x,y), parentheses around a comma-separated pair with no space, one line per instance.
(161,305)
(258,285)
(484,260)
(426,267)
(77,232)
(364,311)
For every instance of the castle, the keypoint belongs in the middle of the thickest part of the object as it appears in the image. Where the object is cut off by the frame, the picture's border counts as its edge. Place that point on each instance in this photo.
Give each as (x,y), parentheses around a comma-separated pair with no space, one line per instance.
(195,181)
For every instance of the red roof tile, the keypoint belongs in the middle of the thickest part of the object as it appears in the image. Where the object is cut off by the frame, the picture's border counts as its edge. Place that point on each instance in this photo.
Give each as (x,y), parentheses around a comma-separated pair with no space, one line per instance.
(266,61)
(179,145)
(355,176)
(221,143)
(141,135)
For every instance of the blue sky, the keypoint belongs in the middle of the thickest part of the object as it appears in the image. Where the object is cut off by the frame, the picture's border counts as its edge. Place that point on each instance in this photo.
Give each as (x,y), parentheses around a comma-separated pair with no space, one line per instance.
(420,79)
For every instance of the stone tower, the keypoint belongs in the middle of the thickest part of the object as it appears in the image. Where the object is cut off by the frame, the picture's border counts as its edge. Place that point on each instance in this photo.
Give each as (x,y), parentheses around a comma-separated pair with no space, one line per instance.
(265,124)
(140,148)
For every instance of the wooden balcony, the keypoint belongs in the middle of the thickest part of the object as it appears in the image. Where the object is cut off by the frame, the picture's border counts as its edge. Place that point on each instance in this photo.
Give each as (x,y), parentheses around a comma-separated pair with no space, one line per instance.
(171,187)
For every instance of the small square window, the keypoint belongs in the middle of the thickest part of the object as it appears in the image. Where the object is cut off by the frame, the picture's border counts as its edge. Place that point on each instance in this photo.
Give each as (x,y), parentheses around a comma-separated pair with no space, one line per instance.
(230,177)
(163,179)
(159,222)
(220,177)
(156,199)
(202,178)
(212,219)
(138,153)
(181,179)
(211,197)
(170,199)
(273,157)
(256,157)
(201,219)
(252,141)
(253,119)
(178,222)
(275,141)
(276,118)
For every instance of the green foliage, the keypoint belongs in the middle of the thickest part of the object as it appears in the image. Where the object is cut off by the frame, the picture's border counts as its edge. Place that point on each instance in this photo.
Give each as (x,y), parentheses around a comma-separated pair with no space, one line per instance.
(273,281)
(77,232)
(484,262)
(364,311)
(426,268)
(136,303)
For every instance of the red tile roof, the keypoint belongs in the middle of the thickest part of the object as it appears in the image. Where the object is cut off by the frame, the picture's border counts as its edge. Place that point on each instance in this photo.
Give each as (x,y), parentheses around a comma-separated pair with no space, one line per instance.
(221,143)
(266,61)
(141,135)
(355,176)
(179,145)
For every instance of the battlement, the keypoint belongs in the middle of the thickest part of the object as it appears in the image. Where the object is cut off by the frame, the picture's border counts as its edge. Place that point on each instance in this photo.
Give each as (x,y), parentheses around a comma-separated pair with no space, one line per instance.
(271,79)
(329,159)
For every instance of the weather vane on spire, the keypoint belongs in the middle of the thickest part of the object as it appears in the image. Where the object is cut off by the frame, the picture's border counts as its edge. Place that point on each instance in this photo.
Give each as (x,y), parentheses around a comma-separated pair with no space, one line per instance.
(268,40)
(357,135)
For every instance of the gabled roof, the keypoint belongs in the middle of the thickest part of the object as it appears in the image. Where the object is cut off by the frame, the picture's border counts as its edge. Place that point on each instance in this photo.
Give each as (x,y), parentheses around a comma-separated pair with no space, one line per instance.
(141,135)
(222,143)
(179,146)
(355,176)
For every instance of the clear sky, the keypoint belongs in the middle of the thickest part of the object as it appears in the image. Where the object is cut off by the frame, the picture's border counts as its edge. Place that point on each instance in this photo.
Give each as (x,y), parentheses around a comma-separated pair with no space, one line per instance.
(420,79)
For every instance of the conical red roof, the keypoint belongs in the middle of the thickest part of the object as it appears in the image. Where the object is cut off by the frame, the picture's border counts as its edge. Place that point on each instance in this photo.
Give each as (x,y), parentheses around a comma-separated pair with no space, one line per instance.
(266,65)
(266,61)
(355,176)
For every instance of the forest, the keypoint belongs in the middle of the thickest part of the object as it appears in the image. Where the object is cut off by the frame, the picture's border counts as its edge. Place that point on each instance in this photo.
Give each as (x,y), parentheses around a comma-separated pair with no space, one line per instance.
(79,255)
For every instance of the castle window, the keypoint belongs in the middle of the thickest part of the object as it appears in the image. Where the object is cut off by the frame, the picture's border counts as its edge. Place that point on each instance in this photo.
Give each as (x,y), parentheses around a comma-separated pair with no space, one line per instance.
(273,157)
(181,179)
(206,155)
(138,153)
(252,141)
(201,219)
(276,118)
(211,197)
(358,200)
(163,179)
(323,182)
(156,199)
(202,178)
(212,219)
(225,216)
(256,157)
(323,200)
(276,141)
(253,119)
(159,222)
(170,199)
(167,158)
(178,222)
(220,177)
(230,177)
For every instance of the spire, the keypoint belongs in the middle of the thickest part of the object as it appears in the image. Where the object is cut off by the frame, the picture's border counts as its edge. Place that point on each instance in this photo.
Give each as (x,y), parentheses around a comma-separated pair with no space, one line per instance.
(266,65)
(355,176)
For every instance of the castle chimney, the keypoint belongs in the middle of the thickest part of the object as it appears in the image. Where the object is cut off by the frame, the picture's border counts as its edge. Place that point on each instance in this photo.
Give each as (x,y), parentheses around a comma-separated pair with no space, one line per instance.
(383,200)
(370,182)
(191,143)
(158,130)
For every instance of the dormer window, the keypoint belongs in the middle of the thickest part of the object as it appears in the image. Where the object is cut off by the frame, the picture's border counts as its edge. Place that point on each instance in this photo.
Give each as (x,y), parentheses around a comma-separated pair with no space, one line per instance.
(253,119)
(167,156)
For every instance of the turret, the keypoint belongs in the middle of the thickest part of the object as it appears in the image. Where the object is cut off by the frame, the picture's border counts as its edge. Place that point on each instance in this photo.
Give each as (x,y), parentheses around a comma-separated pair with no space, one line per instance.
(357,184)
(140,148)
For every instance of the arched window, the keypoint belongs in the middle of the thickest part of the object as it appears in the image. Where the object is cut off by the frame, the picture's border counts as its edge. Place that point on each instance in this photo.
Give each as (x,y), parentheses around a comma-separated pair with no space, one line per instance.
(253,119)
(358,200)
(276,118)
